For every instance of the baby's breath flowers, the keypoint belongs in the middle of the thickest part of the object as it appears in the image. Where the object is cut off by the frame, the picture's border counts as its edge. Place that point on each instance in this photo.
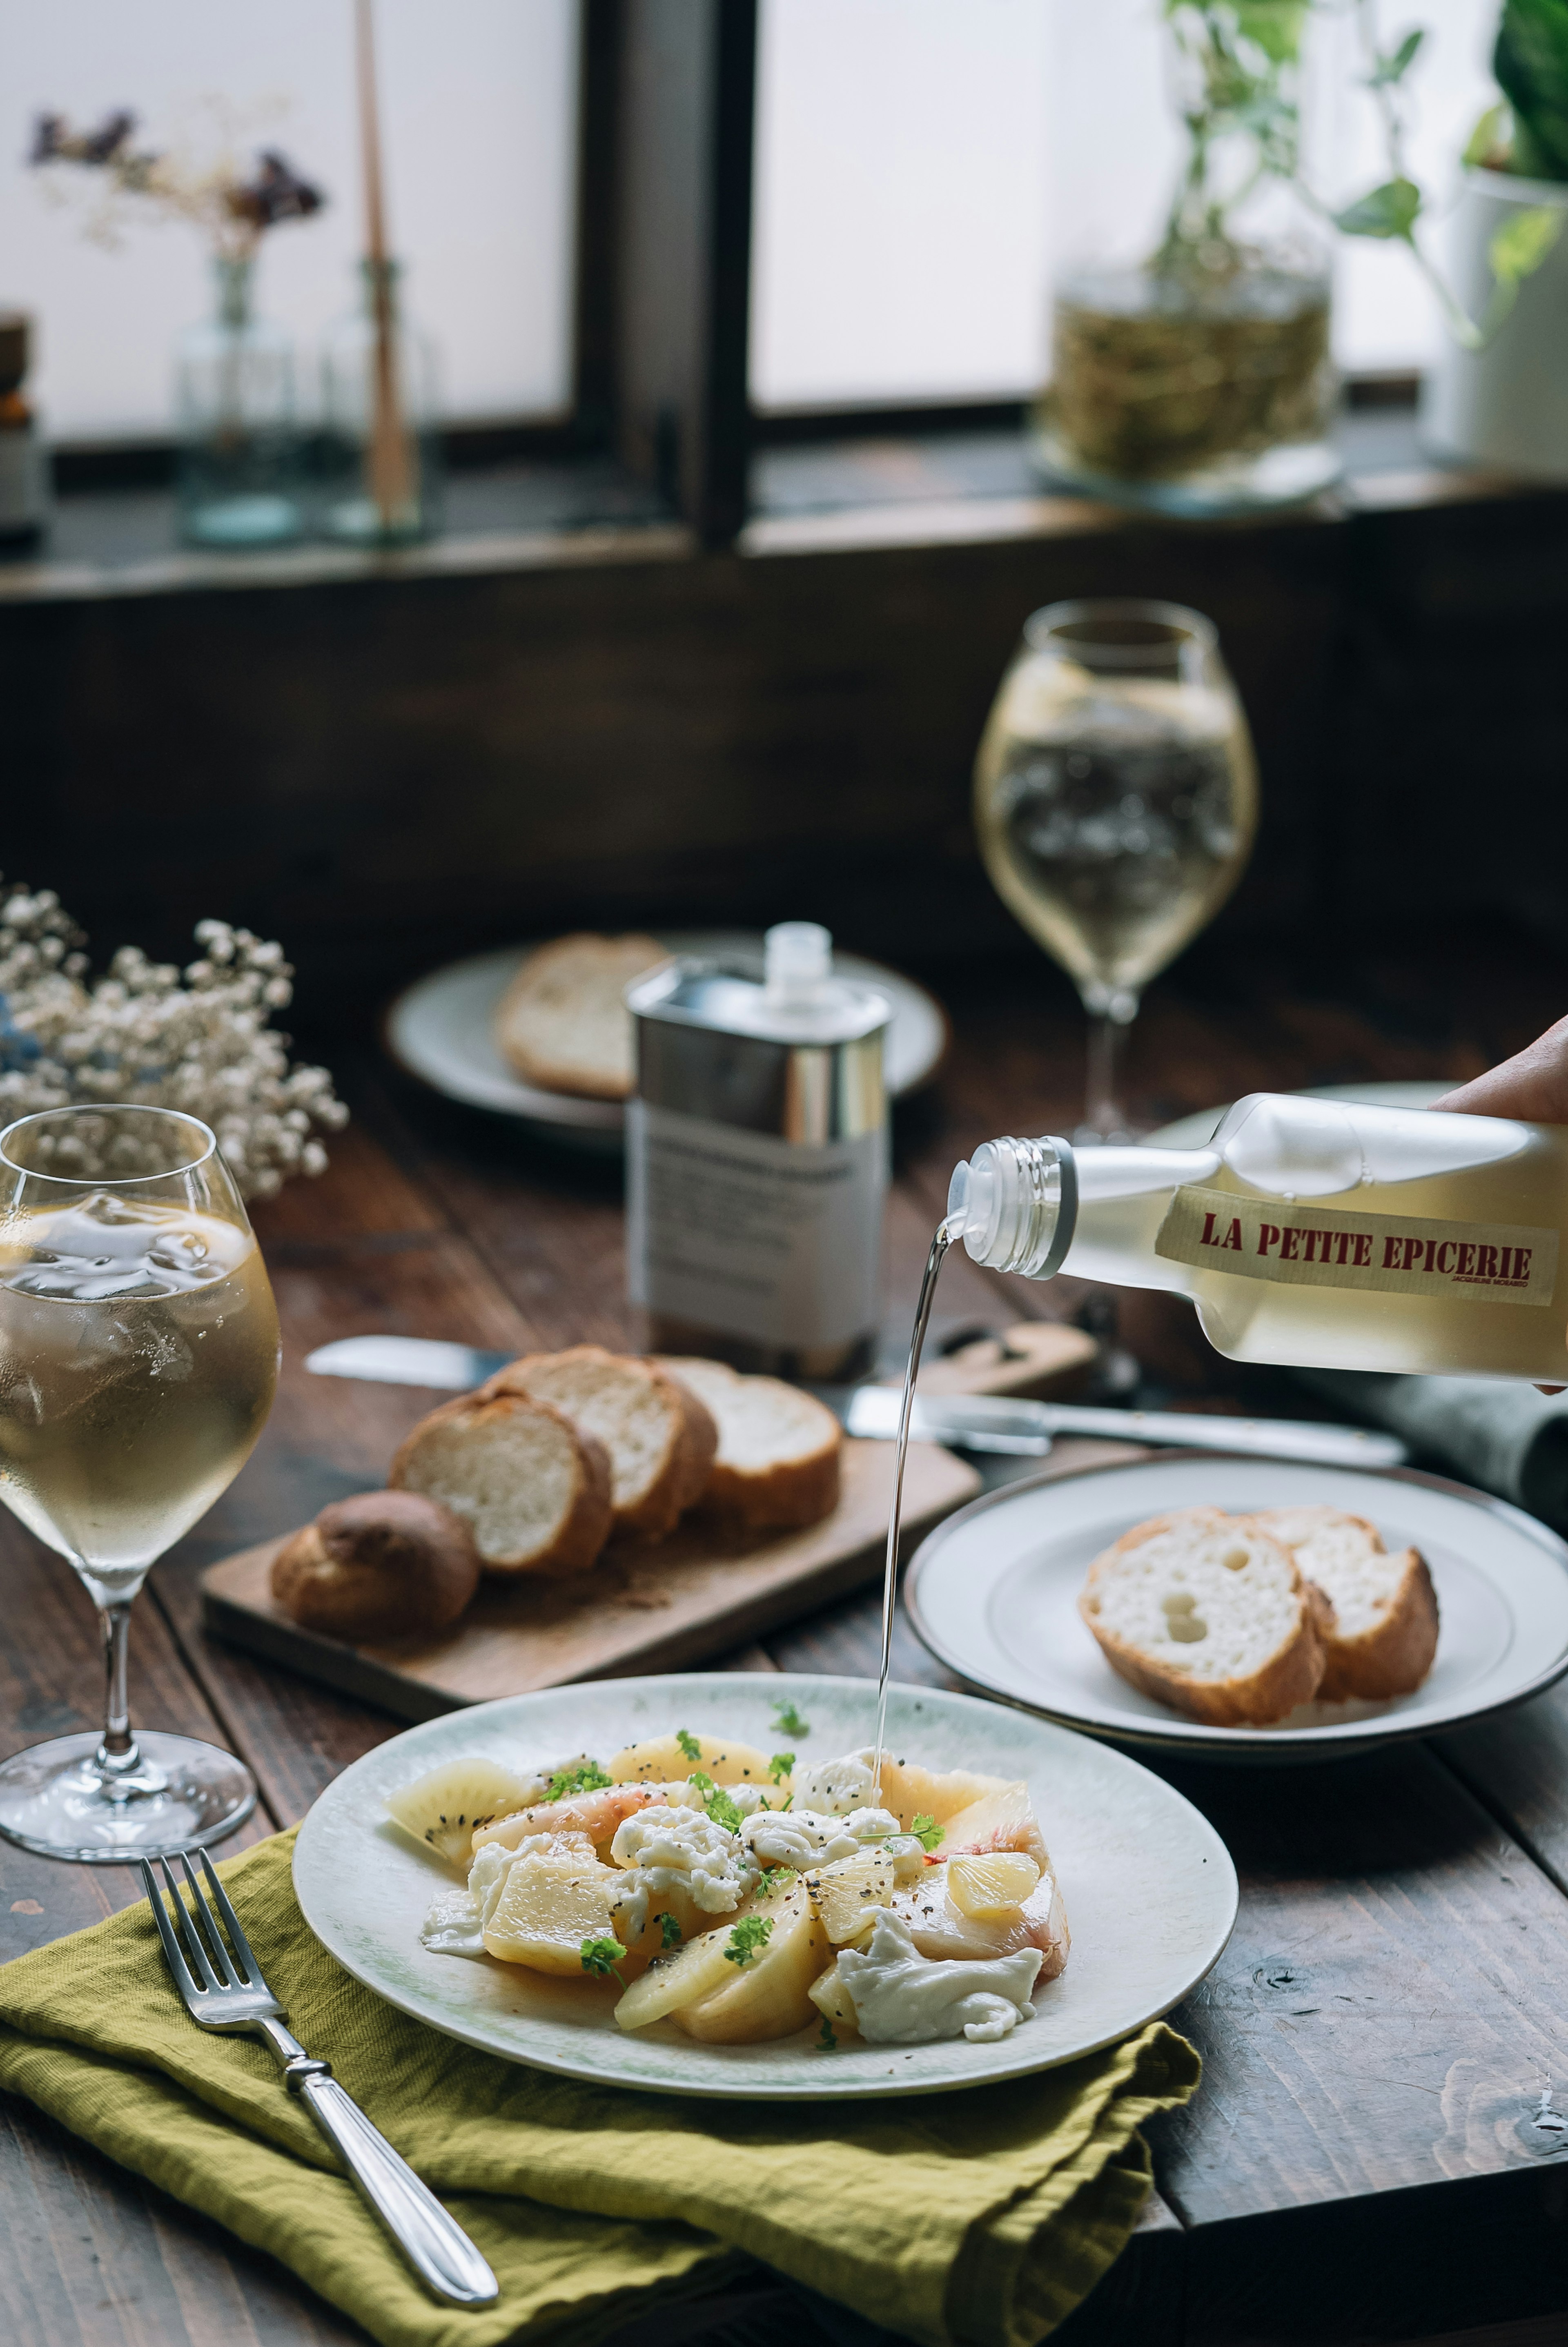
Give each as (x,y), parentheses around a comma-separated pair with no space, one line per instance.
(197,1040)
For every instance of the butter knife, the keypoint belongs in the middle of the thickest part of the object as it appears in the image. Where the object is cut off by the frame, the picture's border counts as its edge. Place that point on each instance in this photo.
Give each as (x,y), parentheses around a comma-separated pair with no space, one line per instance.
(967,1422)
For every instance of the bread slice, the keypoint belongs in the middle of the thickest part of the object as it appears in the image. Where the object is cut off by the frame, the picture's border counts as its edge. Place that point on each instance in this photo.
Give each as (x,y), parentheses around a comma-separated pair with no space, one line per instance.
(563,1023)
(1209,1614)
(660,1438)
(1385,1632)
(533,1490)
(779,1450)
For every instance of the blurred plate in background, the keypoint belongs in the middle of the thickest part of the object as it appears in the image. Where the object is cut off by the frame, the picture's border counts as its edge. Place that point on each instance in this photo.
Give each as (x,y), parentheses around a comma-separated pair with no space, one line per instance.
(439,1031)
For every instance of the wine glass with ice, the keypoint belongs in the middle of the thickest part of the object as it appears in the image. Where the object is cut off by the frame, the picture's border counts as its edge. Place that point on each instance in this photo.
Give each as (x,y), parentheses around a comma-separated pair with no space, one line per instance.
(138,1357)
(1116,801)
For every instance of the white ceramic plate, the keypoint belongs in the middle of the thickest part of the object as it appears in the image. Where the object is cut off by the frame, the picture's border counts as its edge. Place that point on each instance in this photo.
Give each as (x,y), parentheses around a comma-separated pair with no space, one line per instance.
(993,1592)
(1191,1132)
(440,1031)
(1149,1886)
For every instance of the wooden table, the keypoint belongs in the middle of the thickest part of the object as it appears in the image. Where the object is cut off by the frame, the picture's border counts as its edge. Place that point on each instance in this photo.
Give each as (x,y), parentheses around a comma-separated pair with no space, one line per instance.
(1367,2157)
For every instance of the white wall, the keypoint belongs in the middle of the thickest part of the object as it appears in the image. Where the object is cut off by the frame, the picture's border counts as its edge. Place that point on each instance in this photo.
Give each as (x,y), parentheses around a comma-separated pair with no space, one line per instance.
(923,165)
(479,111)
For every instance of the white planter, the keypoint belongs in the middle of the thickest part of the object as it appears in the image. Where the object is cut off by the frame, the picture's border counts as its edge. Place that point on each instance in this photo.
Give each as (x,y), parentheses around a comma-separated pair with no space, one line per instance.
(1508,405)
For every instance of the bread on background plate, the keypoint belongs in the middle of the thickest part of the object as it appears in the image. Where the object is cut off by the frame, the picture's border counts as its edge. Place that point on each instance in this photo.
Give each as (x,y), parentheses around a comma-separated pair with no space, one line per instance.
(1385,1633)
(1210,1614)
(533,1490)
(658,1437)
(563,1024)
(777,1463)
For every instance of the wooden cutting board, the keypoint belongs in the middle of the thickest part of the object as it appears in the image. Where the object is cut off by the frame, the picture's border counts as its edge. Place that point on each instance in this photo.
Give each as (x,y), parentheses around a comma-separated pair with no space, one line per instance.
(649,1608)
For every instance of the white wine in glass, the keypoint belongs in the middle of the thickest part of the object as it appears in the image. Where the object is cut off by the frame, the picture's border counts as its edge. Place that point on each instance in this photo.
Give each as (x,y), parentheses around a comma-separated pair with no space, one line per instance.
(138,1357)
(1116,801)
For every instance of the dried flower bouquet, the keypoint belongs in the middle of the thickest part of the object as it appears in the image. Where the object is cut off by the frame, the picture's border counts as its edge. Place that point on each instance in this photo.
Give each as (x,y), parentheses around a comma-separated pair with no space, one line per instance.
(197,1040)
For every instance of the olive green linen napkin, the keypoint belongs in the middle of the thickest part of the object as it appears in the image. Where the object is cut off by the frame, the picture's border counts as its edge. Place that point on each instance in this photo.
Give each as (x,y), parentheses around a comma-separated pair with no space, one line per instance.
(980,2218)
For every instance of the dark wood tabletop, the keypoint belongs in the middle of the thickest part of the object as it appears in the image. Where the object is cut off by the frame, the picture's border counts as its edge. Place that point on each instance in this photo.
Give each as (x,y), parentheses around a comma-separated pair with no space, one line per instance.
(1369,2155)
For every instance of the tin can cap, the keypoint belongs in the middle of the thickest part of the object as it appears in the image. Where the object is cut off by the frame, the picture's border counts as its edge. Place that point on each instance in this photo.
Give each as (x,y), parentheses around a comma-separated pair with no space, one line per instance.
(798,964)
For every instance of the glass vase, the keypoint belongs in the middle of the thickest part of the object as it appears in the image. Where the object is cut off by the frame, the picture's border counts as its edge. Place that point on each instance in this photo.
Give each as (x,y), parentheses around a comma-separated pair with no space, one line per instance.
(239,470)
(380,462)
(1195,377)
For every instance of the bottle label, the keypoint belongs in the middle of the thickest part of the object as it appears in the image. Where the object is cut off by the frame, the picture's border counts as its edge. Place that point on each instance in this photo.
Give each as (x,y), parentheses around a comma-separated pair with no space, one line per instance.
(1307,1245)
(750,1235)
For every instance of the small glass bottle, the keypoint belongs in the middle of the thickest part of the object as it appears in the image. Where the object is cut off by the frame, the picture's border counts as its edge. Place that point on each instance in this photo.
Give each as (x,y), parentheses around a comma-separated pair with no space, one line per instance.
(1316,1232)
(241,483)
(380,466)
(24,466)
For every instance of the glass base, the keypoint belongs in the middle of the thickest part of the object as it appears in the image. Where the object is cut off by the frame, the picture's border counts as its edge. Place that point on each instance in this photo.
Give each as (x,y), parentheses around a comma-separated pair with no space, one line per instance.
(240,522)
(55,1799)
(1283,476)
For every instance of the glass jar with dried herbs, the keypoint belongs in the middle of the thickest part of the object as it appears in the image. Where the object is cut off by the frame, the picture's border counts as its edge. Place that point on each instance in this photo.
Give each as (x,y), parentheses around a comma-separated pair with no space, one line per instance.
(1199,379)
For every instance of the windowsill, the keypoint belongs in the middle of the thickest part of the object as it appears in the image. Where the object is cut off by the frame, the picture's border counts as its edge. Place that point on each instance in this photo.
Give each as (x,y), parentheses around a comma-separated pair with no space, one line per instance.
(816,497)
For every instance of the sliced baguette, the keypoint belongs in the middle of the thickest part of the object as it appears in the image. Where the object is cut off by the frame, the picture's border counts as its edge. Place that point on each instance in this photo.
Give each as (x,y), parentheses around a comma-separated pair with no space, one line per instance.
(1385,1632)
(563,1023)
(660,1438)
(533,1490)
(1209,1614)
(777,1463)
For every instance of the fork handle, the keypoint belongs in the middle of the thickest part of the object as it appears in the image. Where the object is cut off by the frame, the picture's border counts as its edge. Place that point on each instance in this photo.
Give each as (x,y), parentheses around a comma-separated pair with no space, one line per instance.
(436,2246)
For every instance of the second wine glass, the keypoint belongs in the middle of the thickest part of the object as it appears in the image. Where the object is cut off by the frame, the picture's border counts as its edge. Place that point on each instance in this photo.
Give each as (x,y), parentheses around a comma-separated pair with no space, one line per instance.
(1116,802)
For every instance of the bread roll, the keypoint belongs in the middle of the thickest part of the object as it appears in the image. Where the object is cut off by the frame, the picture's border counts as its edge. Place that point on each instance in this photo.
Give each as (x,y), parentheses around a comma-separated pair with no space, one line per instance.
(383,1565)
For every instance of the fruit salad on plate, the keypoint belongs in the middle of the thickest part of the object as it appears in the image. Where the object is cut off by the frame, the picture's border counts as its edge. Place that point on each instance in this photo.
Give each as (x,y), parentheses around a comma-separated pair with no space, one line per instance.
(744,1896)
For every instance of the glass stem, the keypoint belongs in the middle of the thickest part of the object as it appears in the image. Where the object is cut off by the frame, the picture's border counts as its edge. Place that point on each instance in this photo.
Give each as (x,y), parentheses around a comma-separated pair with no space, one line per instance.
(116,1756)
(1111,1011)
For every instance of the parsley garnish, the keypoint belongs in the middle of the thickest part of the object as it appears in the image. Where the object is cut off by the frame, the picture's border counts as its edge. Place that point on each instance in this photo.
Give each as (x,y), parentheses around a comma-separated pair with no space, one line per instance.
(748,1936)
(716,1801)
(689,1744)
(772,1878)
(588,1778)
(790,1721)
(781,1765)
(928,1832)
(670,1931)
(602,1956)
(828,2041)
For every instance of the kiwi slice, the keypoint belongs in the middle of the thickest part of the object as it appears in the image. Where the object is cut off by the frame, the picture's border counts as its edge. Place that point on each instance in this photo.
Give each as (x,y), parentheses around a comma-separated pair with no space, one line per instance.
(444,1808)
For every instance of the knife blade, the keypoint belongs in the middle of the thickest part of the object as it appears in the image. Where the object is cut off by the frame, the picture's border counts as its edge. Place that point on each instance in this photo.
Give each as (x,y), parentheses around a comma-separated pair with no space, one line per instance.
(407,1361)
(967,1422)
(1027,1428)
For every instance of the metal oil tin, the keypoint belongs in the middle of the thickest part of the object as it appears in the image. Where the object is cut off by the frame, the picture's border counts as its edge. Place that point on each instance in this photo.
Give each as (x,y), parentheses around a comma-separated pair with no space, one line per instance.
(757,1159)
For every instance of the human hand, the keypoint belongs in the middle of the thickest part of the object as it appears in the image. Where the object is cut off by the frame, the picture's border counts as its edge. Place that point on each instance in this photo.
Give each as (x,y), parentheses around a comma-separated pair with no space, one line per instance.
(1534,1085)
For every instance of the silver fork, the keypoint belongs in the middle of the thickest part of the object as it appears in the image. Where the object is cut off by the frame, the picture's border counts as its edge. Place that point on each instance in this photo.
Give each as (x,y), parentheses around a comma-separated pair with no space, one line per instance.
(236,2000)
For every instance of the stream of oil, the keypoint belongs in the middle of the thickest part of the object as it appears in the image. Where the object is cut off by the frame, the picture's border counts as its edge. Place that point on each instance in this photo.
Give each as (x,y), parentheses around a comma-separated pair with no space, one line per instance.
(947,1232)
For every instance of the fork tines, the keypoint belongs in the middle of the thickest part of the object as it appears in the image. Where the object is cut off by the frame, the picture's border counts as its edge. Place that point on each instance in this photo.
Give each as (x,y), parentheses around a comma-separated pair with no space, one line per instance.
(192,1942)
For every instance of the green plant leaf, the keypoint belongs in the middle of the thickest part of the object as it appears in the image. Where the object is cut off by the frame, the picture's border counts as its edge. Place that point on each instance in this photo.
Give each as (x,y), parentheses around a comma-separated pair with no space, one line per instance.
(1490,133)
(1397,65)
(1531,62)
(1523,242)
(1275,26)
(1386,211)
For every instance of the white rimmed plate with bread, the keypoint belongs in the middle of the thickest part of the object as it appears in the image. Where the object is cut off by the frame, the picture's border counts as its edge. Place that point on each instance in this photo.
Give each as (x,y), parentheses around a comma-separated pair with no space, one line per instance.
(539,1032)
(1245,1608)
